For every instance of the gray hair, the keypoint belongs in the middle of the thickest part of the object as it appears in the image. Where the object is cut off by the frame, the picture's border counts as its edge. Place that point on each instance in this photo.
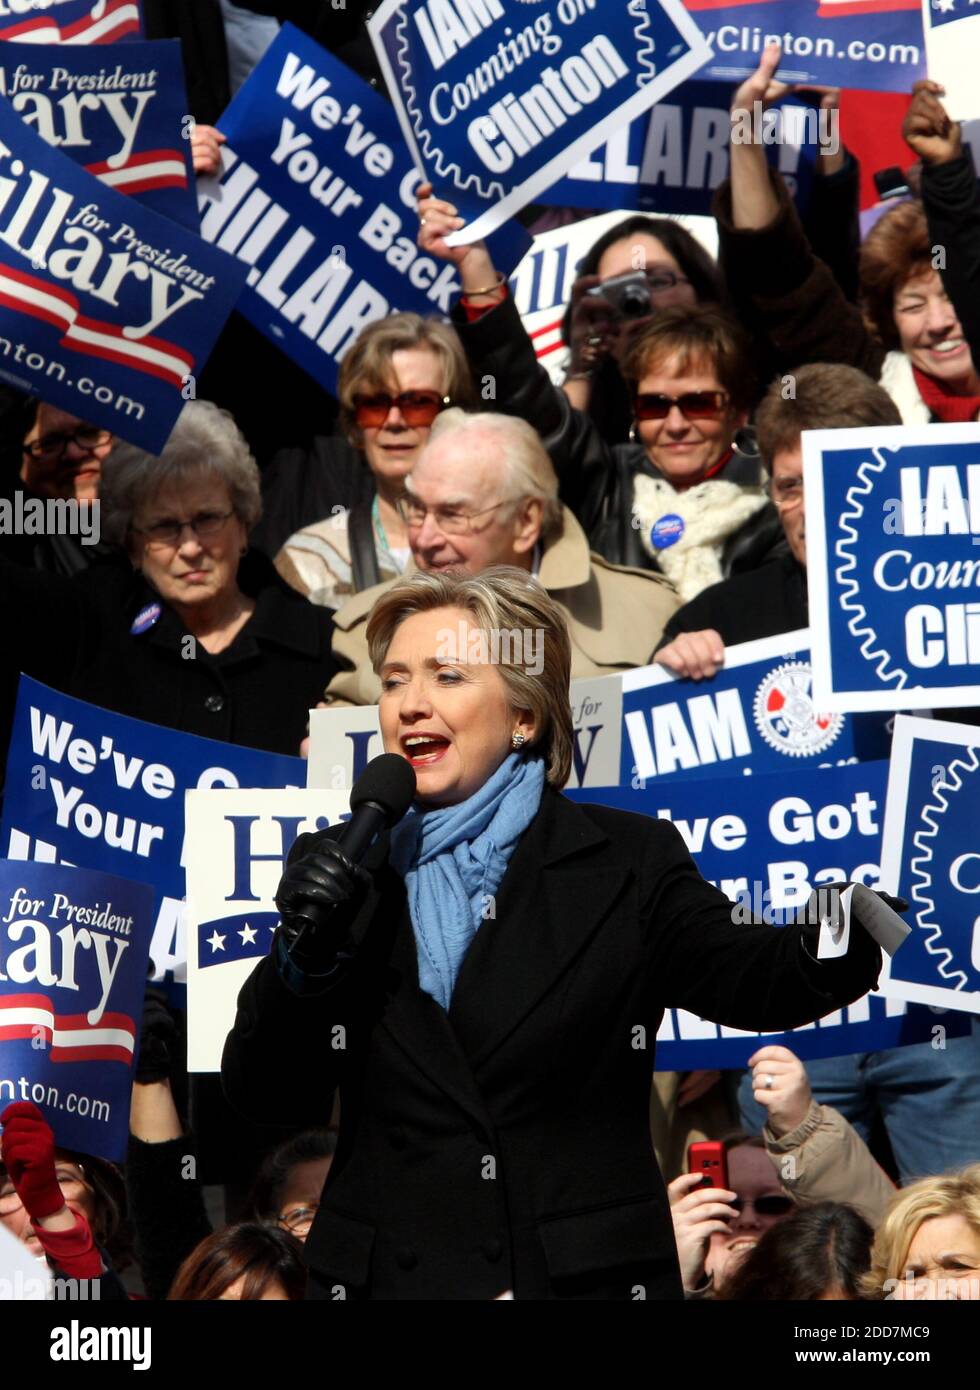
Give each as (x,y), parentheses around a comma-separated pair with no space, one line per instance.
(529,470)
(502,600)
(204,442)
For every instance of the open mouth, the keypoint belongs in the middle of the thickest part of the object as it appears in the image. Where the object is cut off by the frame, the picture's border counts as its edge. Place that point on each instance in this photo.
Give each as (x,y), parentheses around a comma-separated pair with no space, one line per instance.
(738,1246)
(423,749)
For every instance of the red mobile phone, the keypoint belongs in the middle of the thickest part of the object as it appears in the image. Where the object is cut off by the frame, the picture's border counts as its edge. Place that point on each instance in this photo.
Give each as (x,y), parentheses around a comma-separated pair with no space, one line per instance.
(708,1158)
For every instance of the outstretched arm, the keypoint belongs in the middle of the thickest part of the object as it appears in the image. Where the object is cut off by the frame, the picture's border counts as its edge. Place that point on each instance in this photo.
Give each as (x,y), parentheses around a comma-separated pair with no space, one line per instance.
(745,975)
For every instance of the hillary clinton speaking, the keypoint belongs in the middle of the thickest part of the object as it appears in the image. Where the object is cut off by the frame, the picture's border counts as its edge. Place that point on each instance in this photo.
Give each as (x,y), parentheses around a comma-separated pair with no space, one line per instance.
(475,987)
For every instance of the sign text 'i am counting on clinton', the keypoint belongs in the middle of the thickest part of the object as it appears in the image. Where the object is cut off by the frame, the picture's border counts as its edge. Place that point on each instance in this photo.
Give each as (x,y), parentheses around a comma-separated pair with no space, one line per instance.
(893,559)
(75,22)
(106,309)
(118,110)
(499,98)
(317,198)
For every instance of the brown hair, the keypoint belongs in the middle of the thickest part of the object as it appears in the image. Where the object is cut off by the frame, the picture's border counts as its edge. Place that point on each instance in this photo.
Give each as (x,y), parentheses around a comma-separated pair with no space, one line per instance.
(501,599)
(896,249)
(692,335)
(826,396)
(261,1255)
(367,366)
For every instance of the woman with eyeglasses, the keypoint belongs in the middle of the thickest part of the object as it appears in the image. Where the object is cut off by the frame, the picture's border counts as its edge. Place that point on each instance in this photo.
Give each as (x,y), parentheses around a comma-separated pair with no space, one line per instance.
(399,375)
(185,627)
(685,495)
(64,1206)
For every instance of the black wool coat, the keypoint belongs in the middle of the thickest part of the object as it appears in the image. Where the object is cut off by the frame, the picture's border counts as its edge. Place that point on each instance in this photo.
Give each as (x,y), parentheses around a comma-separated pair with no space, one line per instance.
(76,635)
(506,1145)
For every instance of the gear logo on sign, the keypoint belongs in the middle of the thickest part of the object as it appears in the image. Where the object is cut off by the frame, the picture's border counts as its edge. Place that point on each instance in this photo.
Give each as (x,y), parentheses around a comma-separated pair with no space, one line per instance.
(957,839)
(785,715)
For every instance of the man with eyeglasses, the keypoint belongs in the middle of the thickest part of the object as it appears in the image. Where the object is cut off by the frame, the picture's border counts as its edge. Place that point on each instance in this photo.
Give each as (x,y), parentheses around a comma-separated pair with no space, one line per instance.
(483,492)
(61,459)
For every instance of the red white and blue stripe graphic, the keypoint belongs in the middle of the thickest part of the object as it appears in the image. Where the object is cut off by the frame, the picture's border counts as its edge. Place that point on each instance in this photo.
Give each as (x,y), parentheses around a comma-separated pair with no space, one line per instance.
(107,23)
(826,9)
(154,356)
(67,1037)
(143,172)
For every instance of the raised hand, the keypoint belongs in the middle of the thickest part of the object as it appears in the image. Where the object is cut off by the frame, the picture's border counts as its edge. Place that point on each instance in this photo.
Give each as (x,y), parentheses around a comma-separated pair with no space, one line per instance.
(927,129)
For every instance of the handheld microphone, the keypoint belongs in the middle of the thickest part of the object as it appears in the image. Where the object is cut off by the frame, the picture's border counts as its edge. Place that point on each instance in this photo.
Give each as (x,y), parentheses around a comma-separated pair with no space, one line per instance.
(381,796)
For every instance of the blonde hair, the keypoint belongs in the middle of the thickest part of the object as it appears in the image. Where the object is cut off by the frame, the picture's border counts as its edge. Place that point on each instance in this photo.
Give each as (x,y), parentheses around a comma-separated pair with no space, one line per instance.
(529,470)
(500,599)
(950,1194)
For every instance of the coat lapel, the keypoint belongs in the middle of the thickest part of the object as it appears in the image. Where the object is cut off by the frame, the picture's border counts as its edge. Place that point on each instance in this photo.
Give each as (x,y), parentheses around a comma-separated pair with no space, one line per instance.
(417,1023)
(548,907)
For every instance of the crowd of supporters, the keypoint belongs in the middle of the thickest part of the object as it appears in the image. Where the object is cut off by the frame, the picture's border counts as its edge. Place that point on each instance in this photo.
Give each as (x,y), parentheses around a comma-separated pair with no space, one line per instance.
(258,542)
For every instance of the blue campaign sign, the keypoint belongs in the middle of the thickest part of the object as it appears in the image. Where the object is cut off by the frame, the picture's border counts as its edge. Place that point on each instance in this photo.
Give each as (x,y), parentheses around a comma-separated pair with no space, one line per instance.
(106,308)
(766,851)
(119,111)
(873,45)
(671,159)
(73,954)
(70,21)
(892,532)
(758,714)
(104,791)
(317,200)
(931,858)
(499,98)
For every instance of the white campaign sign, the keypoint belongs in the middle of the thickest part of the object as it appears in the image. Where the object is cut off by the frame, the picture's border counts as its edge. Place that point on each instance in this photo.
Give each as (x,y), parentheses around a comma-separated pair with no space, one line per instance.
(236,845)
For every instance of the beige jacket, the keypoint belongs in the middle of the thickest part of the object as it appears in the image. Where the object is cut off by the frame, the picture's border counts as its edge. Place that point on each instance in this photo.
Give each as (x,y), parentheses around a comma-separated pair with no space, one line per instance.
(825,1160)
(615,616)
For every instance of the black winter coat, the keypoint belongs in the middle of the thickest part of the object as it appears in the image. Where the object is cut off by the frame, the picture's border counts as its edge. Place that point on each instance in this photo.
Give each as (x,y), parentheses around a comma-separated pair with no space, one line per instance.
(506,1144)
(74,635)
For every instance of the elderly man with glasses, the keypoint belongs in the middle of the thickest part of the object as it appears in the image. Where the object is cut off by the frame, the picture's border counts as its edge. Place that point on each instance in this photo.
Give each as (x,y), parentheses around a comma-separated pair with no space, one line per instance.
(483,492)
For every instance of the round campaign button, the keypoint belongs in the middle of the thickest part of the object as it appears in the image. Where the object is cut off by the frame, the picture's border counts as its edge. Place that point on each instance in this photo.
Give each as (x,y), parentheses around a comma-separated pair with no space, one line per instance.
(146,618)
(667,531)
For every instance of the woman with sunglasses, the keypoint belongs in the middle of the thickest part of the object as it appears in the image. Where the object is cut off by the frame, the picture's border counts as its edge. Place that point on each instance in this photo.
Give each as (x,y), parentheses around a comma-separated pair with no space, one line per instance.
(399,375)
(715,1228)
(685,495)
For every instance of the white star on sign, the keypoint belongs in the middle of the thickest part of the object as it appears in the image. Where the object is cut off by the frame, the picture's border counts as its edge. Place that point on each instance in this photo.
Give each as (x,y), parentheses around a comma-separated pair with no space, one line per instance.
(945,6)
(247,934)
(216,942)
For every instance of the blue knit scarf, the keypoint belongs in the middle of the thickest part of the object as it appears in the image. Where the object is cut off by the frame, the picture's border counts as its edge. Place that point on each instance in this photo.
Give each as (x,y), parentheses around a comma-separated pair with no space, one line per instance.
(453,860)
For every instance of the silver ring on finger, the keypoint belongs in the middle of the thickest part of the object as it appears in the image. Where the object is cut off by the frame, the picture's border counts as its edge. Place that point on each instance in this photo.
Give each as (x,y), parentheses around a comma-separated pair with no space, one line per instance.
(421,221)
(768,1081)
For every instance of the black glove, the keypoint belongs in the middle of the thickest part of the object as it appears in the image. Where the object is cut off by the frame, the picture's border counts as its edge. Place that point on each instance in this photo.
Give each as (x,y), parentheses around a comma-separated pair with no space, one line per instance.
(158,1039)
(325,879)
(824,900)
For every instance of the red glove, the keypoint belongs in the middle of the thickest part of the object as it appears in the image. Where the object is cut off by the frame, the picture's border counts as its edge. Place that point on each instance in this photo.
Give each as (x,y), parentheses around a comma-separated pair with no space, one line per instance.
(27,1148)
